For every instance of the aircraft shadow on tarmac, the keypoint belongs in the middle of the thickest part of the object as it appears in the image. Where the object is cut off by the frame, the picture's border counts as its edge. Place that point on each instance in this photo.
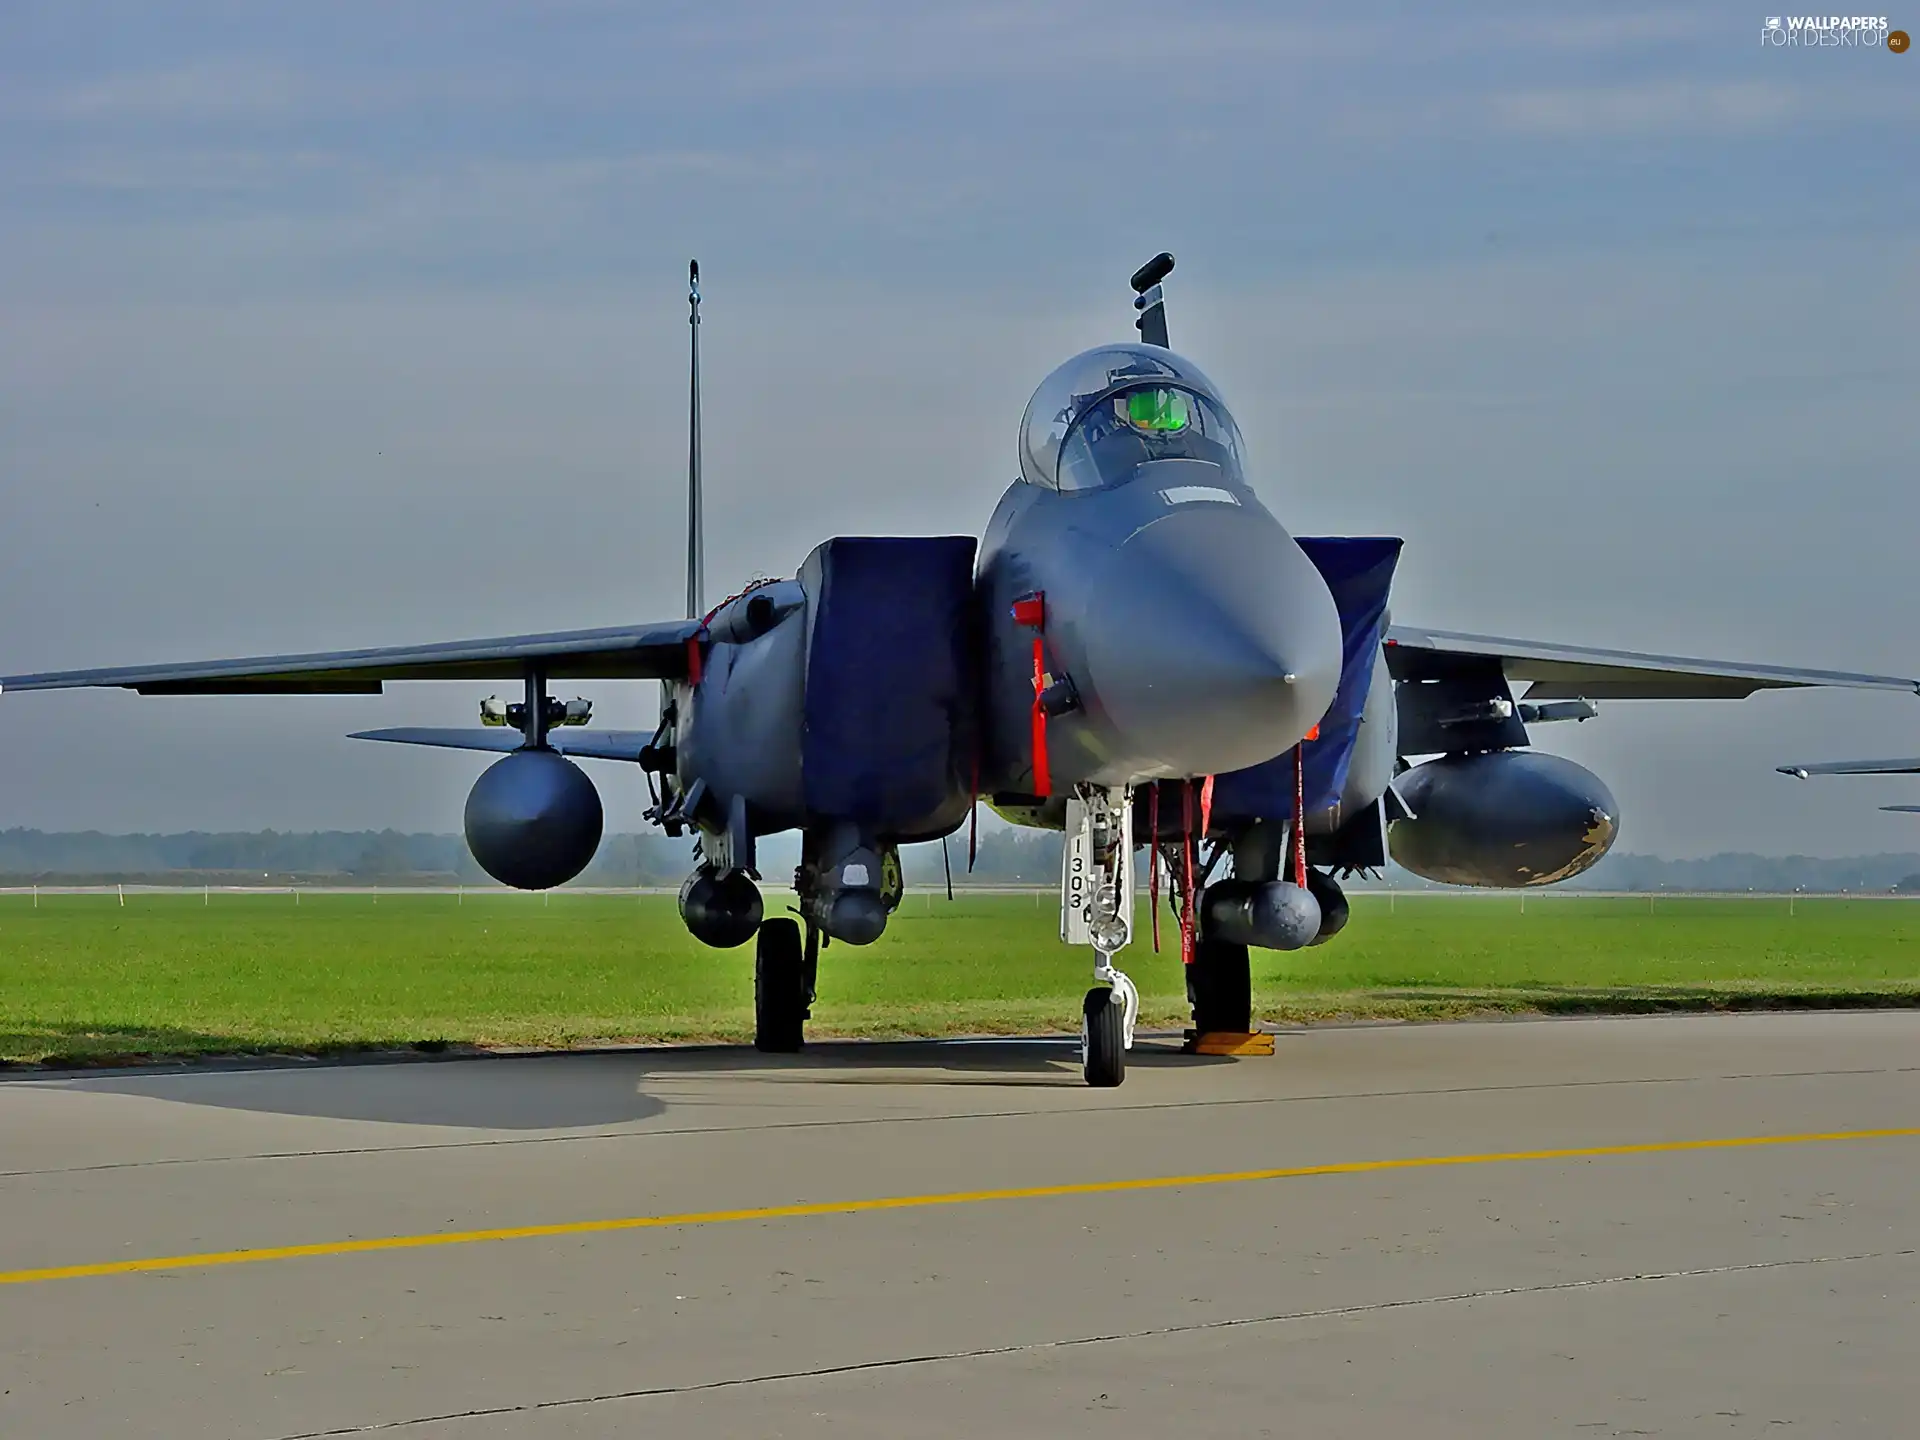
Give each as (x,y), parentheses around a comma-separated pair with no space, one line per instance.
(581,1089)
(1043,1061)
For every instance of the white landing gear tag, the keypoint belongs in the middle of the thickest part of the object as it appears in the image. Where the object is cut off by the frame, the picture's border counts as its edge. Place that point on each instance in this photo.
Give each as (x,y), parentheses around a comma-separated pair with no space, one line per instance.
(1096,877)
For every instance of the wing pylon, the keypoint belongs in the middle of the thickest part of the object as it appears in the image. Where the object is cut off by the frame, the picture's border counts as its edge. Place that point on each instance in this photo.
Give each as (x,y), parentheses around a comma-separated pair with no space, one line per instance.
(584,744)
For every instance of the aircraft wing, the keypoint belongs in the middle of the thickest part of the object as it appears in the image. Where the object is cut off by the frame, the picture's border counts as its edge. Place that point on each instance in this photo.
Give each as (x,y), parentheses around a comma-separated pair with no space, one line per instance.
(588,744)
(623,652)
(1853,767)
(1580,672)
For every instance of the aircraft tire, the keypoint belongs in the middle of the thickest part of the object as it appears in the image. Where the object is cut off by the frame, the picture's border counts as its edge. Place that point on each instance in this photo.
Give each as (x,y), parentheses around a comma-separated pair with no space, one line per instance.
(779,988)
(1103,1028)
(1220,985)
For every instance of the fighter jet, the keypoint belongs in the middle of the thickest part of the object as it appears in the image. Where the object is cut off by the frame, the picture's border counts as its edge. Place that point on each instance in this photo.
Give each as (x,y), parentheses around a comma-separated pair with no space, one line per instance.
(1137,652)
(1909,766)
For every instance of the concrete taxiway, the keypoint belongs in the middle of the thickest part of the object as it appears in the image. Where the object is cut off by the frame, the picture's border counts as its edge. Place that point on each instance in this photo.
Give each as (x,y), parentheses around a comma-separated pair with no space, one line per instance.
(1521,1228)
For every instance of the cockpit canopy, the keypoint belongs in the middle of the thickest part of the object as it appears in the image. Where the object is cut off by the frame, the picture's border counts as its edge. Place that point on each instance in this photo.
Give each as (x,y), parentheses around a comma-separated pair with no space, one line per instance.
(1103,414)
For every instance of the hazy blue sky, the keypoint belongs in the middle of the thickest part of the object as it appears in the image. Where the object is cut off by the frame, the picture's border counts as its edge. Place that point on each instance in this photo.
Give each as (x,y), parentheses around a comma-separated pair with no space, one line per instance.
(362,324)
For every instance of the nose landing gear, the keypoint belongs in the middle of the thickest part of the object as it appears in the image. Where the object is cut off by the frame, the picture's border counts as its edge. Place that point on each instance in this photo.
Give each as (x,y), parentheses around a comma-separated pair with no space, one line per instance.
(1096,909)
(1106,1026)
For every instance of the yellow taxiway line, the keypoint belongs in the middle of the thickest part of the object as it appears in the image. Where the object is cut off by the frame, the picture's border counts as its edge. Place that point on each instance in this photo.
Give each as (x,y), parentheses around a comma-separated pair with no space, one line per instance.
(916,1202)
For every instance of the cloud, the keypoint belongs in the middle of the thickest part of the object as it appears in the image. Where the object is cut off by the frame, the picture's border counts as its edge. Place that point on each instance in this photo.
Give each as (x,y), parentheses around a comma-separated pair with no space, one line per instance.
(1653,108)
(209,90)
(1599,31)
(198,172)
(1694,108)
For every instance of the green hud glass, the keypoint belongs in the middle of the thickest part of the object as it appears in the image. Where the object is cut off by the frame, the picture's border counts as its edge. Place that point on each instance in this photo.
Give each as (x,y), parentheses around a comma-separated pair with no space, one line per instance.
(1157,412)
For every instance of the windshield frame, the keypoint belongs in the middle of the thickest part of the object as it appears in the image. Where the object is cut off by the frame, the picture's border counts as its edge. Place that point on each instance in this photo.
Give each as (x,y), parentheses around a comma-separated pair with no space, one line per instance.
(1209,404)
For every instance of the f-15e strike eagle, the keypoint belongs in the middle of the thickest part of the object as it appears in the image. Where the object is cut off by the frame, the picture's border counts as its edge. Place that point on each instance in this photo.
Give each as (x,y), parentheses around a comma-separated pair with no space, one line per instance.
(1136,652)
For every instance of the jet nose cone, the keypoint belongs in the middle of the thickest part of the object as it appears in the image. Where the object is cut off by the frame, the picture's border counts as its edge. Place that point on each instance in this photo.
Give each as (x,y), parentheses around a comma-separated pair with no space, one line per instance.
(1216,644)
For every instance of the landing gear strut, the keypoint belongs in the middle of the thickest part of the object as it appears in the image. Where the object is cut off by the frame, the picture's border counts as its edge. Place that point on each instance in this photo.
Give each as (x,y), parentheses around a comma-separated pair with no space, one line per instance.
(1096,909)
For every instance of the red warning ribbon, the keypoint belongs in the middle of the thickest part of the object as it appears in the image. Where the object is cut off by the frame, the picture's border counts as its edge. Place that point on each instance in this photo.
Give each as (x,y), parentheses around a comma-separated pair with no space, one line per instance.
(1042,772)
(1153,861)
(1300,815)
(1187,926)
(1031,612)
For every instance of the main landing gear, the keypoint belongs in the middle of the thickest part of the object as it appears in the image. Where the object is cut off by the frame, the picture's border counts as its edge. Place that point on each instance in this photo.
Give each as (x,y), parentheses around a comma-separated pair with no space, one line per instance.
(784,974)
(1220,988)
(1096,909)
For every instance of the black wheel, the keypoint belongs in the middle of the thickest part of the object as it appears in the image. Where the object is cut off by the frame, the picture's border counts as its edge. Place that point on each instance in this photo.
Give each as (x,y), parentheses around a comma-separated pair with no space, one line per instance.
(779,988)
(1103,1020)
(1220,985)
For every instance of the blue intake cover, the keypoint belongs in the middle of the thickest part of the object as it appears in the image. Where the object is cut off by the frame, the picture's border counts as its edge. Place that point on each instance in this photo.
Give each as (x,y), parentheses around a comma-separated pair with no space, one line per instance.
(890,678)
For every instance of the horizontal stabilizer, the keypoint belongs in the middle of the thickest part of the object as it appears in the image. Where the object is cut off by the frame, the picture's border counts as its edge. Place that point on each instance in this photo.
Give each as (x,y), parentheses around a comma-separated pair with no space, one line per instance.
(623,652)
(585,744)
(1581,672)
(1853,767)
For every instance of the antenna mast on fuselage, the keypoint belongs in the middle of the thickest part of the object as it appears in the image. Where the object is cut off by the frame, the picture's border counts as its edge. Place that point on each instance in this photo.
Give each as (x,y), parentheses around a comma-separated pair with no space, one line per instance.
(696,558)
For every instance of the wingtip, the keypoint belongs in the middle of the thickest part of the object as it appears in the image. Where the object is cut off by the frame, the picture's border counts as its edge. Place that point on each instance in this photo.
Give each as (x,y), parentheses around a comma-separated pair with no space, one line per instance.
(1795,771)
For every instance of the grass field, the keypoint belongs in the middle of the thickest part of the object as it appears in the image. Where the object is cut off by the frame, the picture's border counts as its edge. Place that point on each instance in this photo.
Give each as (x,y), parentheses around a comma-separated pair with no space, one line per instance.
(83,978)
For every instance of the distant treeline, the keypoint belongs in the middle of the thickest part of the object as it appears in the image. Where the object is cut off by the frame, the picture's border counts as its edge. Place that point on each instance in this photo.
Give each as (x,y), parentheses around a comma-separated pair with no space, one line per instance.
(283,857)
(392,856)
(1770,874)
(1005,857)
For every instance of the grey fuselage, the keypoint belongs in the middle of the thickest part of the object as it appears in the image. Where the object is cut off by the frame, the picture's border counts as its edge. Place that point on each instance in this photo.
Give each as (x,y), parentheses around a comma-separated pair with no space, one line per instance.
(1196,635)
